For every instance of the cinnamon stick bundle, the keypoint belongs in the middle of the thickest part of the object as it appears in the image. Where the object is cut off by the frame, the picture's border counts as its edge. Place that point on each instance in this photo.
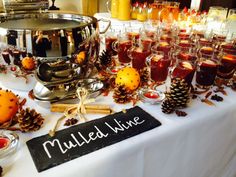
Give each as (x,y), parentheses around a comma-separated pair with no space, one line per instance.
(90,108)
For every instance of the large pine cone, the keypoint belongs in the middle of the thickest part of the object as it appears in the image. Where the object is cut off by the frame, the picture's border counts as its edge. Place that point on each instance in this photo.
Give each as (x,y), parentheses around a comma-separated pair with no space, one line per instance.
(179,92)
(168,106)
(29,120)
(121,95)
(144,76)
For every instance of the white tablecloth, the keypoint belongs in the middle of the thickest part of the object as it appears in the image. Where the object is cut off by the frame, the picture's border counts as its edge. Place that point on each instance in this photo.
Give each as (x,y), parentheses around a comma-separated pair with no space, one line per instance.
(201,145)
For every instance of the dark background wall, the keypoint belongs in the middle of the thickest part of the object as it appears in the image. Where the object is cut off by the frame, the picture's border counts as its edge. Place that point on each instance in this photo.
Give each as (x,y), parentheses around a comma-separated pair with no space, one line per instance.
(225,3)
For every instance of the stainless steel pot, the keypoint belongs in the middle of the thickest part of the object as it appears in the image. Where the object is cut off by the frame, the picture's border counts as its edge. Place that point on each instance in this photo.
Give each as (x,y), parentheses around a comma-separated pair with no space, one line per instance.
(61,34)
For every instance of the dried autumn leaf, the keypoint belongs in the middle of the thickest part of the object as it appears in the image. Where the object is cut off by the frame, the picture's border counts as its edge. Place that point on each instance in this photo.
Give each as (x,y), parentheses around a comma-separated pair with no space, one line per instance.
(208,102)
(208,94)
(221,90)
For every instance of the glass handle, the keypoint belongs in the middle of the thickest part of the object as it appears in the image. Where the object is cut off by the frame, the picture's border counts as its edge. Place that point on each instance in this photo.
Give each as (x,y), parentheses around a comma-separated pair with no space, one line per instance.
(115,46)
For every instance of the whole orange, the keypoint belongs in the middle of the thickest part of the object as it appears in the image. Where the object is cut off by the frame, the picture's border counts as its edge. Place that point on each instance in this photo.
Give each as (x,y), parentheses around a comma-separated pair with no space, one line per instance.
(80,57)
(8,105)
(129,77)
(28,63)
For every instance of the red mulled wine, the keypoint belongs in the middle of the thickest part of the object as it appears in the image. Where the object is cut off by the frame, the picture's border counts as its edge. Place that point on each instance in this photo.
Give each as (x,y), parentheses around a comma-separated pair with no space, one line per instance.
(23,53)
(139,56)
(123,47)
(109,42)
(6,57)
(159,69)
(227,67)
(184,70)
(164,47)
(16,55)
(133,36)
(206,73)
(183,35)
(205,42)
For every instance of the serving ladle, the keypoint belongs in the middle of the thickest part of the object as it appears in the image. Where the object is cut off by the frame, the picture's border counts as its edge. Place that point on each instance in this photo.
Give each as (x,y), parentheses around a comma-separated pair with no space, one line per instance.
(47,72)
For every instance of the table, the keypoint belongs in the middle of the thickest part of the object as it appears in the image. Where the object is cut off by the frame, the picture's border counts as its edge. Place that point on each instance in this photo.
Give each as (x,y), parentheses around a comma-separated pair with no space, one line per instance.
(201,145)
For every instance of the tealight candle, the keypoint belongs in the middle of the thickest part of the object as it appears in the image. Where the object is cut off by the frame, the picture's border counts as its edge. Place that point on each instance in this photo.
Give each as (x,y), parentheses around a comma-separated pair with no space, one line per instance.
(4,142)
(151,96)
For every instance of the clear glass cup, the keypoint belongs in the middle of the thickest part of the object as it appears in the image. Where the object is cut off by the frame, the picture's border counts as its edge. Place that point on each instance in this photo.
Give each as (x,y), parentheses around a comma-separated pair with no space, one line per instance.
(110,38)
(219,36)
(206,72)
(227,66)
(6,57)
(159,67)
(156,8)
(231,20)
(164,47)
(184,69)
(133,34)
(121,46)
(138,55)
(174,10)
(16,55)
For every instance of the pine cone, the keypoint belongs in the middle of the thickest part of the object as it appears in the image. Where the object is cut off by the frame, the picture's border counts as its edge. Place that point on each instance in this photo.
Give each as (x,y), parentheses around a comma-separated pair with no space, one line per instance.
(168,106)
(144,76)
(179,92)
(121,95)
(105,59)
(29,120)
(70,122)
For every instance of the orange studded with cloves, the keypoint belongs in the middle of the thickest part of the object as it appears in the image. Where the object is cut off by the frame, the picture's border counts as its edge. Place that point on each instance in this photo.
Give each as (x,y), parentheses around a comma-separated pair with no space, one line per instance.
(9,104)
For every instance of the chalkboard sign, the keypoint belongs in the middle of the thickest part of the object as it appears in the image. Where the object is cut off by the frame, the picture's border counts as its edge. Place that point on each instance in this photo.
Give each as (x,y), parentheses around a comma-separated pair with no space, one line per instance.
(85,138)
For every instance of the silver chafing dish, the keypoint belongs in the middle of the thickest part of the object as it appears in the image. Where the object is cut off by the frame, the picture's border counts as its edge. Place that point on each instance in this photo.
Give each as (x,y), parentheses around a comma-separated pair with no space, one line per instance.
(65,36)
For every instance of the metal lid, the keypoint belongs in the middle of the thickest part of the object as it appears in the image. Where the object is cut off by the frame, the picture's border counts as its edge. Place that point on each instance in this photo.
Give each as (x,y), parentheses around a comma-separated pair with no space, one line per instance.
(35,20)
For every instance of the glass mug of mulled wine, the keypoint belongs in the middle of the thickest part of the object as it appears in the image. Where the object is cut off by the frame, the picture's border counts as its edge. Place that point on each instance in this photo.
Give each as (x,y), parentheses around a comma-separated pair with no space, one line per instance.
(159,67)
(139,53)
(219,36)
(228,47)
(185,34)
(164,47)
(110,38)
(227,67)
(121,46)
(184,69)
(133,34)
(6,57)
(206,51)
(206,72)
(16,55)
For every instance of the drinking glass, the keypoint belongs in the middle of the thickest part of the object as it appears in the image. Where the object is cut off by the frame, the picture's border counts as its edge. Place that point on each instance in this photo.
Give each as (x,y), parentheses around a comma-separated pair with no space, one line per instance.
(110,38)
(206,72)
(184,69)
(23,52)
(121,46)
(227,66)
(164,47)
(133,34)
(231,20)
(219,36)
(16,55)
(6,57)
(156,8)
(174,10)
(159,67)
(138,55)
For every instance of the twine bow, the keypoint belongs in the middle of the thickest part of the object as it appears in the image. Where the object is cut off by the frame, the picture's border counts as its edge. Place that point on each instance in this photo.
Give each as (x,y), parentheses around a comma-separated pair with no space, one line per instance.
(75,111)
